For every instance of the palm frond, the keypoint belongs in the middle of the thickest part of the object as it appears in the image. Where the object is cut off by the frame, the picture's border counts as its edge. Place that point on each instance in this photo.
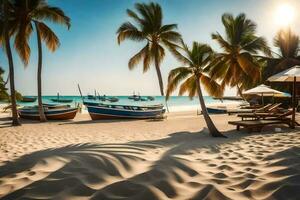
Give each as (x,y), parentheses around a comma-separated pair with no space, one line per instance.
(135,17)
(189,86)
(53,14)
(211,86)
(48,36)
(21,41)
(138,57)
(175,77)
(222,42)
(167,27)
(128,31)
(248,65)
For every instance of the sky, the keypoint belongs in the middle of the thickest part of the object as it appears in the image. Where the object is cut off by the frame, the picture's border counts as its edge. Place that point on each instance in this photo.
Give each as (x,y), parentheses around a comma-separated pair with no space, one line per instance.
(90,56)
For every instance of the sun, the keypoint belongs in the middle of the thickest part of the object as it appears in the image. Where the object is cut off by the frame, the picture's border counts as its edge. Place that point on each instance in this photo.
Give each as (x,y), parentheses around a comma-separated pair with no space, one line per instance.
(284,15)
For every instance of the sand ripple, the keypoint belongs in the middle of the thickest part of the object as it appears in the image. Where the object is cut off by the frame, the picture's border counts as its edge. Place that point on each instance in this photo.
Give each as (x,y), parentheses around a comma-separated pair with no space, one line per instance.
(182,166)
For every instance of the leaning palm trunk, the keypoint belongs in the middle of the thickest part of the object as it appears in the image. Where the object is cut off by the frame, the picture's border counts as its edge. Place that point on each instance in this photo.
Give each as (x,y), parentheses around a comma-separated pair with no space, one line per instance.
(240,92)
(15,120)
(39,75)
(210,125)
(160,81)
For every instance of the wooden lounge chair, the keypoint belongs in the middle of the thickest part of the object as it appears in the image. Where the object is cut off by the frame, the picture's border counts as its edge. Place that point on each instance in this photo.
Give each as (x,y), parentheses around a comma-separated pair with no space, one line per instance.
(261,109)
(267,115)
(273,108)
(257,125)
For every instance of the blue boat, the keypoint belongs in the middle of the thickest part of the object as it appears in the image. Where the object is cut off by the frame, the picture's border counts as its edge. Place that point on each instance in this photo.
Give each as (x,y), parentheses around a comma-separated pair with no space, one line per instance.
(51,114)
(106,111)
(211,110)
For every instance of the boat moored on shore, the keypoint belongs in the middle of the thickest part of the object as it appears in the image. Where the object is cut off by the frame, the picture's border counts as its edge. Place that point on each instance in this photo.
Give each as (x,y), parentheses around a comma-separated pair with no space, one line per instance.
(106,111)
(51,113)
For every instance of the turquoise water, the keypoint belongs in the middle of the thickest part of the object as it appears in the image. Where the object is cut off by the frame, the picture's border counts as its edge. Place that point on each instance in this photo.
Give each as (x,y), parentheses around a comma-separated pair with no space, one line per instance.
(173,102)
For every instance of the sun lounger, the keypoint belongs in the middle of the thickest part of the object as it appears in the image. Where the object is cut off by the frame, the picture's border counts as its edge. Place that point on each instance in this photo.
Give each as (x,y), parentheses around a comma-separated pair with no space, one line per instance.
(257,125)
(269,115)
(262,109)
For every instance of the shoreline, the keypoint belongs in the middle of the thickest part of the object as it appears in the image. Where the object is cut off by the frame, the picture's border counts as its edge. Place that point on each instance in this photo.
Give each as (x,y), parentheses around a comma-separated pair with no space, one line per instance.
(180,108)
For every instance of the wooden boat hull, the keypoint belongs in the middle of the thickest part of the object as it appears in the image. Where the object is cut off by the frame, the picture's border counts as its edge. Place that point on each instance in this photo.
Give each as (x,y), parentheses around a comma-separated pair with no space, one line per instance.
(62,100)
(99,112)
(216,110)
(55,106)
(52,114)
(28,99)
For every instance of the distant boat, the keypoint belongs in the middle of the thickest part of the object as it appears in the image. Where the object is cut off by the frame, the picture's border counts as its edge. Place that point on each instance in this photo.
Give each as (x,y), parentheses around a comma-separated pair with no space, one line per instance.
(91,97)
(60,100)
(28,99)
(113,99)
(217,110)
(143,99)
(55,106)
(150,98)
(134,97)
(104,111)
(102,98)
(51,114)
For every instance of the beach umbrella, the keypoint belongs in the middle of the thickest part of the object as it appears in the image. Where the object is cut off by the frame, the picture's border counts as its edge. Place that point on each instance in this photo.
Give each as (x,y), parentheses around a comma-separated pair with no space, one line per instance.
(289,75)
(262,90)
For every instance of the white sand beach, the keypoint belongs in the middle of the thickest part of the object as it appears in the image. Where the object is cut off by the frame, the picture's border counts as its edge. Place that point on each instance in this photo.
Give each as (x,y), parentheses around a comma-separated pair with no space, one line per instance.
(156,160)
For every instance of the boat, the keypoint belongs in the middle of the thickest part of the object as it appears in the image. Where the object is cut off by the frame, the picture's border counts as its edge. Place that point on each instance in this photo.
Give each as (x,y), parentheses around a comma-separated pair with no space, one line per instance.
(216,110)
(60,100)
(109,111)
(51,114)
(28,99)
(55,106)
(113,99)
(91,97)
(135,97)
(143,99)
(150,98)
(102,98)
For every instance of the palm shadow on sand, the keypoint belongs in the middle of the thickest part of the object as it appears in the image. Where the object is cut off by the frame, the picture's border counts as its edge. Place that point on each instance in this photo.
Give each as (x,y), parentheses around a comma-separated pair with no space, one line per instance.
(83,169)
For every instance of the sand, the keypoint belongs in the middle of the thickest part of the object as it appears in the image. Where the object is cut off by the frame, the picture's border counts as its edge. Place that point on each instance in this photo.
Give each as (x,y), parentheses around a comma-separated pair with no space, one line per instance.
(147,160)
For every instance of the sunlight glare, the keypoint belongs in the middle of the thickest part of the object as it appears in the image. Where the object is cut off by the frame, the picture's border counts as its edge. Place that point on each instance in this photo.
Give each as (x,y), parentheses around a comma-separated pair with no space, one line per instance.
(284,15)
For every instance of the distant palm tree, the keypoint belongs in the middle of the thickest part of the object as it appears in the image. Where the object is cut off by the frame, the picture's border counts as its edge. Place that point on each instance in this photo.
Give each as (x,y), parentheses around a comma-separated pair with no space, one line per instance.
(149,28)
(288,53)
(35,13)
(193,75)
(4,96)
(238,65)
(5,35)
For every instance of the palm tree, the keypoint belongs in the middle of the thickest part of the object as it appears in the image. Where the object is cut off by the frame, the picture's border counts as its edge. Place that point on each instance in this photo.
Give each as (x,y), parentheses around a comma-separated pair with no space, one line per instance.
(239,64)
(148,28)
(6,36)
(288,48)
(196,61)
(35,13)
(4,96)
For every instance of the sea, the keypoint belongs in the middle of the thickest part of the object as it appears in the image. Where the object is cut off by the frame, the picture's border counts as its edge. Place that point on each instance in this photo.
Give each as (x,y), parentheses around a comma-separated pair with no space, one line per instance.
(175,103)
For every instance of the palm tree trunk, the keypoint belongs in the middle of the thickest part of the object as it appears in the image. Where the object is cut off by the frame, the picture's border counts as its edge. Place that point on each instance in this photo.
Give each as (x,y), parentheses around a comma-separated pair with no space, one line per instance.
(210,125)
(160,81)
(240,92)
(39,74)
(15,119)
